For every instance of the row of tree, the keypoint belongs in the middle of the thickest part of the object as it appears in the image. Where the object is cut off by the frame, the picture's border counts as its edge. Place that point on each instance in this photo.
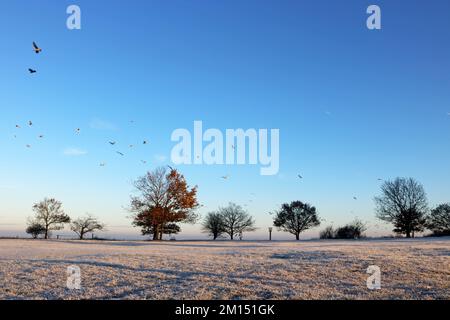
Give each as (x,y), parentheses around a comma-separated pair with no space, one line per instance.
(50,216)
(164,200)
(233,220)
(403,202)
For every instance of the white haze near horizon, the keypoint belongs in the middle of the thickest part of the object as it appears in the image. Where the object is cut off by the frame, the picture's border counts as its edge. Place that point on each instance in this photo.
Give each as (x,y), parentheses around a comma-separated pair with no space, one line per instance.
(189,232)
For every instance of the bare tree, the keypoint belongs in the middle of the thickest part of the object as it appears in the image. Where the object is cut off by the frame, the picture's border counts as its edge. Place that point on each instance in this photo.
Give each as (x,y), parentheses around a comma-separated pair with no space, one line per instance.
(165,199)
(236,220)
(404,204)
(213,225)
(438,220)
(87,224)
(50,215)
(296,218)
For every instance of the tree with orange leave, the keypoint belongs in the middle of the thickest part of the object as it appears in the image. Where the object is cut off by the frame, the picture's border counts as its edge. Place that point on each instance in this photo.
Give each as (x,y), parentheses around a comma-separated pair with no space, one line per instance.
(165,199)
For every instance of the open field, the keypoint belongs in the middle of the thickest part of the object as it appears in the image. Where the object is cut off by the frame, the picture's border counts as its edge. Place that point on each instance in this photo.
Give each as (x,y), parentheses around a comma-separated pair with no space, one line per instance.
(411,269)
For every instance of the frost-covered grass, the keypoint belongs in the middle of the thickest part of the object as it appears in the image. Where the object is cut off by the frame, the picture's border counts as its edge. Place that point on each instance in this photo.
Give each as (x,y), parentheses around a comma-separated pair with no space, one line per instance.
(411,269)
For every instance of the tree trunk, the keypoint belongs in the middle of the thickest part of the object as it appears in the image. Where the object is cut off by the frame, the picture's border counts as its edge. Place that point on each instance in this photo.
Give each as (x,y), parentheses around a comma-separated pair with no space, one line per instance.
(232,236)
(297,236)
(155,233)
(408,234)
(46,234)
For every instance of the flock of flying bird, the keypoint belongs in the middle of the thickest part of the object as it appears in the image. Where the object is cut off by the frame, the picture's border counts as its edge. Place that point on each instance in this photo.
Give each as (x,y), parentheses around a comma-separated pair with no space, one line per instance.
(38,50)
(78,131)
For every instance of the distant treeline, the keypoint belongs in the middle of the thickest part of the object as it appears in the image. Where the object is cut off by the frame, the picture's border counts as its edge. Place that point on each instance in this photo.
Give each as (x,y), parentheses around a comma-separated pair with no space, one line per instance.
(164,200)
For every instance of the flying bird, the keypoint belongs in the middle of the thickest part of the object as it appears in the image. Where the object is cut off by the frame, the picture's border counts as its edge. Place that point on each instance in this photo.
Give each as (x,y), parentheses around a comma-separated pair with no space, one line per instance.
(299,176)
(77,130)
(28,146)
(145,142)
(17,126)
(36,48)
(41,136)
(30,123)
(144,162)
(103,164)
(32,70)
(120,153)
(225,177)
(355,198)
(112,143)
(131,146)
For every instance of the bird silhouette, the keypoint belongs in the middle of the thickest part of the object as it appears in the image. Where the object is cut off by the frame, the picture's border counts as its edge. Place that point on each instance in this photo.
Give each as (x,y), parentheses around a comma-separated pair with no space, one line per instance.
(145,142)
(355,198)
(77,130)
(31,70)
(36,48)
(299,176)
(41,136)
(144,162)
(17,126)
(28,146)
(30,123)
(103,164)
(120,153)
(225,177)
(112,143)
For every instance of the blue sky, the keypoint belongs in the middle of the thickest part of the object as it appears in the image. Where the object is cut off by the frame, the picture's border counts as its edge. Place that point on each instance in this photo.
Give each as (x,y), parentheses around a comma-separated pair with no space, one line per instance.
(352,105)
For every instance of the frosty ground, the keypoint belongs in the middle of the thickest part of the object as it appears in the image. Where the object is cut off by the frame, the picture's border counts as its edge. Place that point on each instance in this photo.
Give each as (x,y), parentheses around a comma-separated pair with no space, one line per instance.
(411,269)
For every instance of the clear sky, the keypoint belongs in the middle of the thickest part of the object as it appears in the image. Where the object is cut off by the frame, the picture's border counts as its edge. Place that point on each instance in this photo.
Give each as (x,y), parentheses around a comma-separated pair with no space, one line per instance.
(352,105)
